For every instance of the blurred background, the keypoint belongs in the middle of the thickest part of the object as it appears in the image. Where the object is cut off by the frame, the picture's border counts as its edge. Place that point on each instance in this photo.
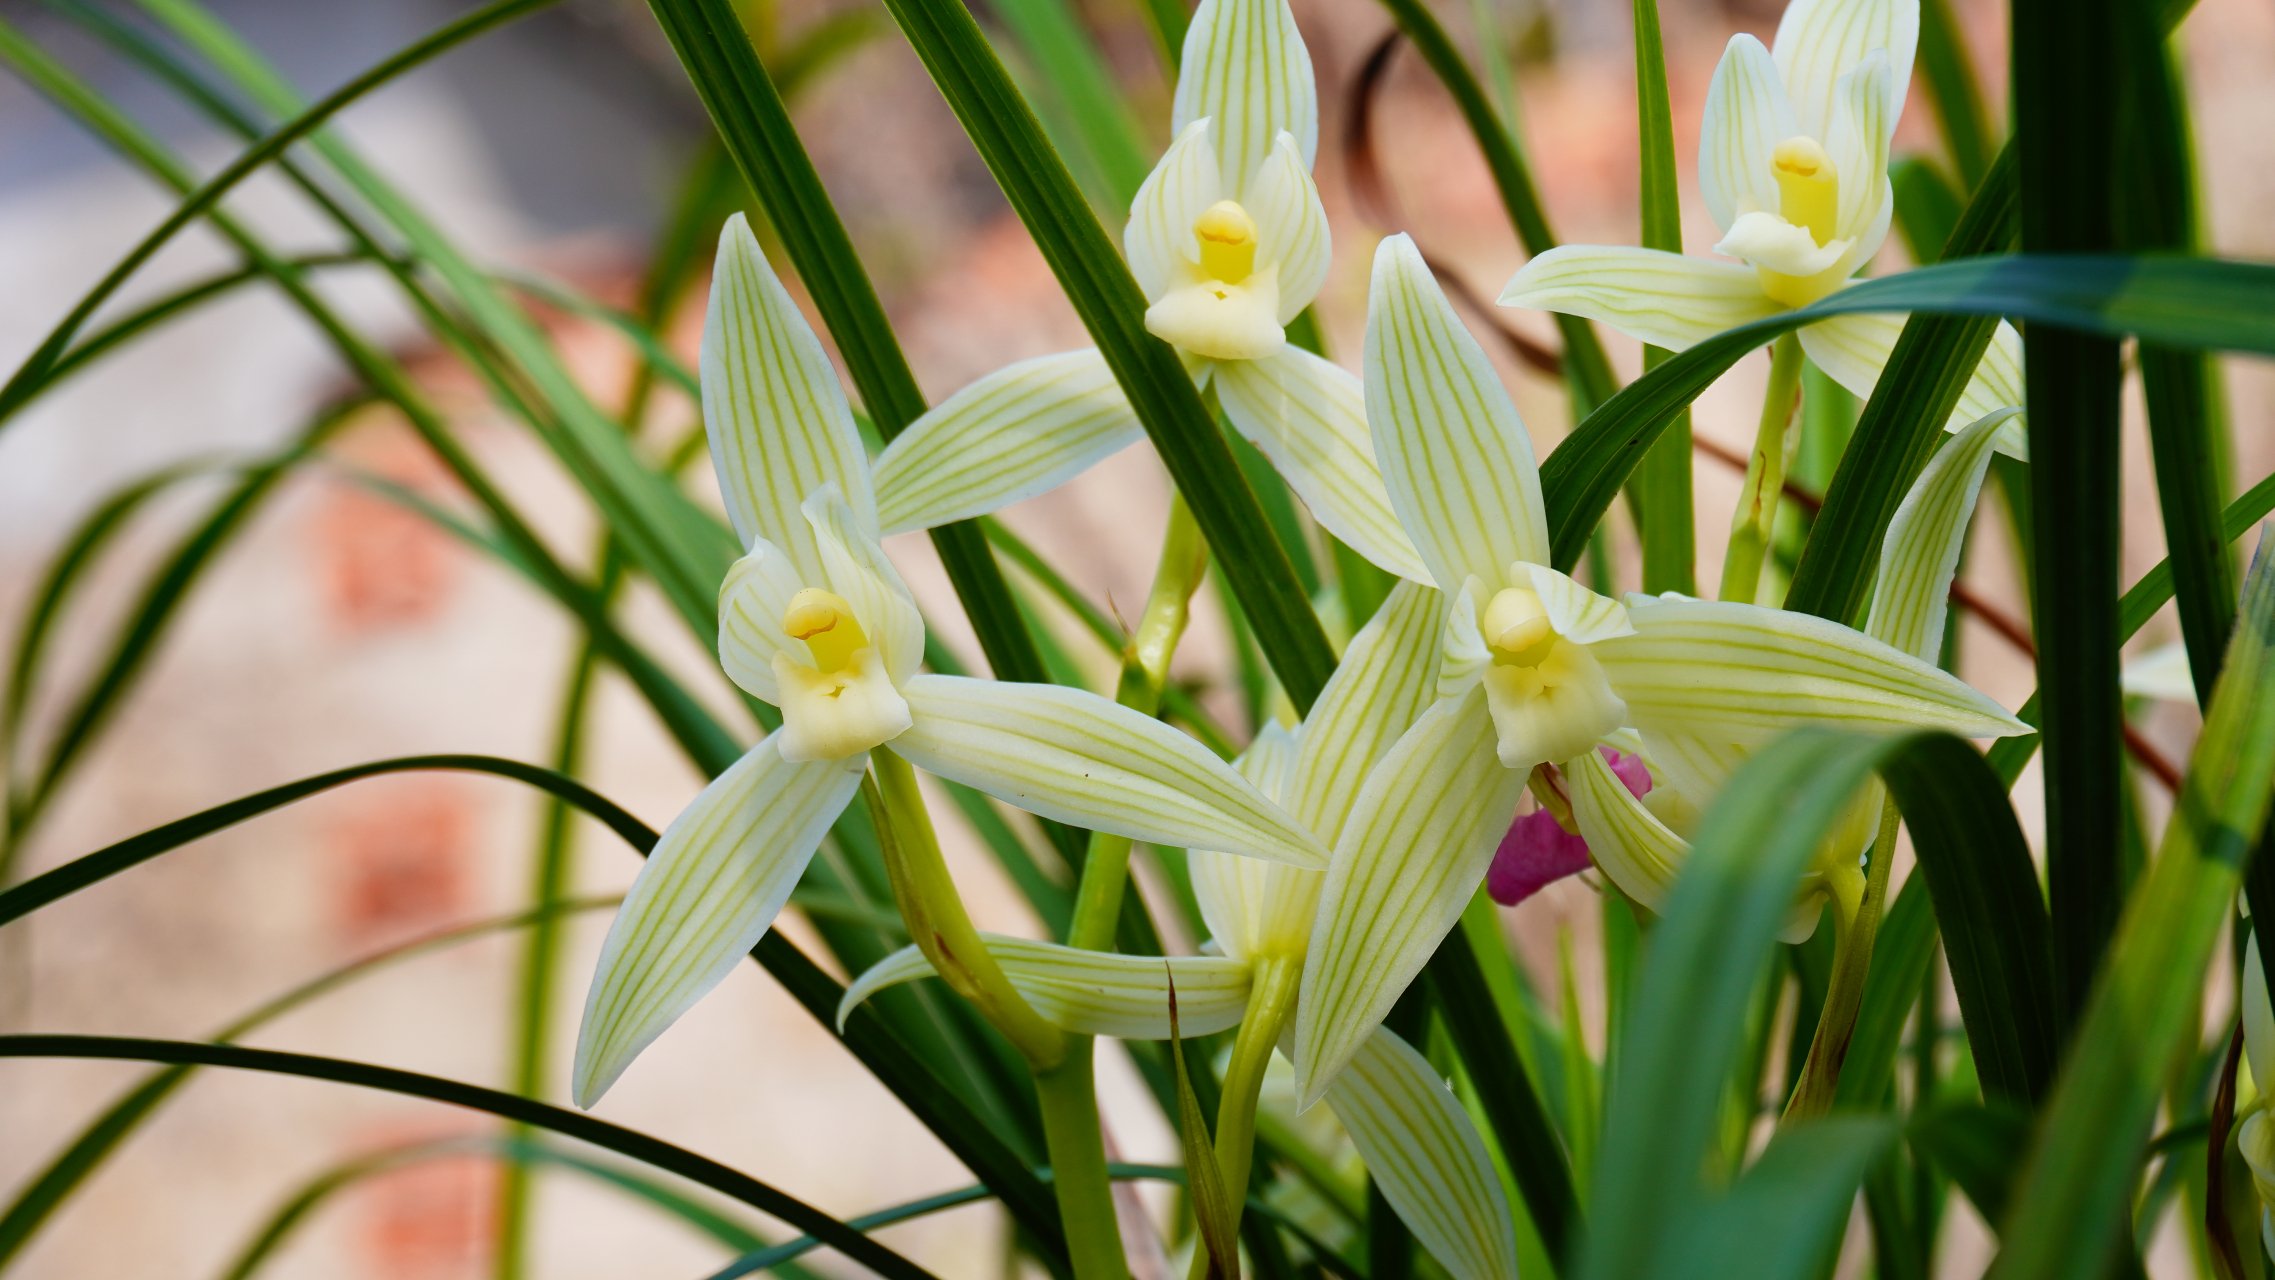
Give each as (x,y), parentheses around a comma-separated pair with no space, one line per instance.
(339,627)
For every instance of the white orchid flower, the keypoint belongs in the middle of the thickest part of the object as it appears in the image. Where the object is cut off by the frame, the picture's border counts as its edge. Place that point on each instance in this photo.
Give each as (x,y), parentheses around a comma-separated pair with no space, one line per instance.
(815,620)
(1418,1143)
(1793,162)
(1642,841)
(1537,669)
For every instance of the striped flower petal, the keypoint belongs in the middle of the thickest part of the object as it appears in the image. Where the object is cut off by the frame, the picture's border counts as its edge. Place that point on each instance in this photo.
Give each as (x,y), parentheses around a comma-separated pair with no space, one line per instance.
(1913,590)
(1092,993)
(1819,41)
(1665,299)
(1746,116)
(1853,349)
(1158,241)
(1245,70)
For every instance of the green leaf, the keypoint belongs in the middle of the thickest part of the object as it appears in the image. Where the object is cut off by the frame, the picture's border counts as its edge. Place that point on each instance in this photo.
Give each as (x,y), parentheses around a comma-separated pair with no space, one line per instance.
(1660,487)
(2094,1128)
(1985,888)
(1927,209)
(639,1146)
(1980,1145)
(2181,301)
(1782,1220)
(1510,1096)
(1901,953)
(1954,92)
(1052,33)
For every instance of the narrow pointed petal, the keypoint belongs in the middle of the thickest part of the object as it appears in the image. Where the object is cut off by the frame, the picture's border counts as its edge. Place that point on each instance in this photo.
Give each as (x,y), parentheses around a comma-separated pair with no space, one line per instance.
(1819,41)
(1092,993)
(1746,116)
(1744,674)
(1578,614)
(1159,239)
(1853,349)
(1076,757)
(756,593)
(1252,906)
(1020,431)
(1427,1158)
(708,892)
(1382,686)
(1627,841)
(1857,141)
(859,570)
(1246,71)
(1454,455)
(1415,849)
(1912,591)
(1309,417)
(779,424)
(1666,299)
(1291,225)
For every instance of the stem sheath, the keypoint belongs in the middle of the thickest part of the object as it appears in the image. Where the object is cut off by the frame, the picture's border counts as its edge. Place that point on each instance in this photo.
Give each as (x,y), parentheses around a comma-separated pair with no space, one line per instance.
(1756,517)
(1858,902)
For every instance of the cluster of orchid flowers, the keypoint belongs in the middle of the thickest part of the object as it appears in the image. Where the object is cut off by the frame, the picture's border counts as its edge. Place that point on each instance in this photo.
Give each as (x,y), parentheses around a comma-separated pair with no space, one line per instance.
(1332,858)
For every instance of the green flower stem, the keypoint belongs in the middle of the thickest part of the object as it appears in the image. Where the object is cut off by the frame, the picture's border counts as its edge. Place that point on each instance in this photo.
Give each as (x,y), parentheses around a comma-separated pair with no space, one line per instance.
(935,913)
(1271,1000)
(1068,1096)
(1751,524)
(1858,902)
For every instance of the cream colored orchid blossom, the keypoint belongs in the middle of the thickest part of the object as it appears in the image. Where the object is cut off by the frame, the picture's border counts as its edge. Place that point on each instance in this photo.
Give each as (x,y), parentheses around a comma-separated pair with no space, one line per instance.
(1418,1143)
(1537,669)
(1793,163)
(815,620)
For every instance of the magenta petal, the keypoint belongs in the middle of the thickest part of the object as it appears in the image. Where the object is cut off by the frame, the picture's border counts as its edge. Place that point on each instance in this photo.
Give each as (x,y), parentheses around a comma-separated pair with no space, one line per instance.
(1628,769)
(1534,853)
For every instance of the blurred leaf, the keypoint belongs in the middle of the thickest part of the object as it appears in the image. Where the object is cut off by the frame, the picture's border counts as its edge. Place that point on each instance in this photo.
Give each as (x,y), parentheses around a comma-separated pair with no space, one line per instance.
(2097,1122)
(1660,487)
(1980,1145)
(1783,1218)
(1901,954)
(1927,209)
(1213,1207)
(1954,93)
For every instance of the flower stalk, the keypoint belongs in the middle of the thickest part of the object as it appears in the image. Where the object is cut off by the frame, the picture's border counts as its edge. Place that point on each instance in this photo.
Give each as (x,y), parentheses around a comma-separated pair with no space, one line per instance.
(1271,1002)
(1755,520)
(1858,902)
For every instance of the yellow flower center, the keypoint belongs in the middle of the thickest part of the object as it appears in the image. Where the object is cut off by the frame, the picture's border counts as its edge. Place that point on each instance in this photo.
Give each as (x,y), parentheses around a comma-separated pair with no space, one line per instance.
(1228,242)
(1808,186)
(825,622)
(1517,628)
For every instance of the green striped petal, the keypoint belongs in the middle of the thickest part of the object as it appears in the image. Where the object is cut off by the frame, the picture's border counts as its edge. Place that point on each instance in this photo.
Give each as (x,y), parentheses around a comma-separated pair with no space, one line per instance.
(1074,756)
(1857,141)
(1747,114)
(708,892)
(1158,241)
(1018,432)
(1415,848)
(1913,589)
(1853,349)
(1741,673)
(1291,226)
(1092,993)
(779,423)
(1309,417)
(1246,72)
(1454,455)
(1383,685)
(1578,614)
(1696,767)
(1629,843)
(1666,299)
(756,593)
(1426,1157)
(1820,41)
(1252,906)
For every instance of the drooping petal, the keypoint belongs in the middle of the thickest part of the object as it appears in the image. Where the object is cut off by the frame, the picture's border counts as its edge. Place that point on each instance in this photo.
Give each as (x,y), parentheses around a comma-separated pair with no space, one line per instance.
(1291,226)
(713,885)
(1310,418)
(1245,70)
(1426,1157)
(1552,711)
(1091,993)
(1769,242)
(1743,674)
(858,569)
(1819,41)
(1252,906)
(779,423)
(1533,855)
(1023,430)
(1454,455)
(1207,317)
(1912,591)
(1747,115)
(1377,692)
(1857,140)
(1666,299)
(1853,349)
(756,593)
(1415,848)
(1640,854)
(1159,239)
(1076,757)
